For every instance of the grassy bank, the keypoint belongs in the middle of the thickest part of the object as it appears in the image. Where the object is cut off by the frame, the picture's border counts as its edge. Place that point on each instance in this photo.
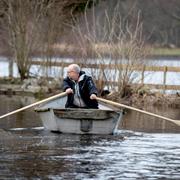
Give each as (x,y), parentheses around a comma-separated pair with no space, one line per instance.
(103,49)
(165,52)
(106,49)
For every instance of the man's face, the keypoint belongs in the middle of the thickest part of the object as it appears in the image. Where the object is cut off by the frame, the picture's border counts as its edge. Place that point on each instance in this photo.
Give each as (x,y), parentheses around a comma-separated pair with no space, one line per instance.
(72,74)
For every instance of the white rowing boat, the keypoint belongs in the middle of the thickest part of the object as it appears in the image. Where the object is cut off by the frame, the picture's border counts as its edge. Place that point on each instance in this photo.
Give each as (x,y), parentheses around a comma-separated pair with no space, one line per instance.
(76,120)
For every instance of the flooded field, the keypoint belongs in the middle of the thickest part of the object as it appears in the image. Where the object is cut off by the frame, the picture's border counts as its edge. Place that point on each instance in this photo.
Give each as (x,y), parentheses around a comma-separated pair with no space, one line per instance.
(150,77)
(28,151)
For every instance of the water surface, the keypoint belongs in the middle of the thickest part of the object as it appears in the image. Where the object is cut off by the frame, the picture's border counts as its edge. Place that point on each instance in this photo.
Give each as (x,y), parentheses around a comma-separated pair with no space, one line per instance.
(150,77)
(38,154)
(28,151)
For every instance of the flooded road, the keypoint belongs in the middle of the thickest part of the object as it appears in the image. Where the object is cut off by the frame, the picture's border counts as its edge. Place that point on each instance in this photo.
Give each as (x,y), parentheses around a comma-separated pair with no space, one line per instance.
(27,151)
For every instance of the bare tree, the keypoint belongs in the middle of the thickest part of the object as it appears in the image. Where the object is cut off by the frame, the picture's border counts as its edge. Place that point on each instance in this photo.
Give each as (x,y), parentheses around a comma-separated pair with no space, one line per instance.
(109,39)
(51,28)
(21,21)
(32,26)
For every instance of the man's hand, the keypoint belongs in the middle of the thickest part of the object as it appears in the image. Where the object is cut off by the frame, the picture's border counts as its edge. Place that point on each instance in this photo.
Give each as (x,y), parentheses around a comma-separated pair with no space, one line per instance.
(69,91)
(93,96)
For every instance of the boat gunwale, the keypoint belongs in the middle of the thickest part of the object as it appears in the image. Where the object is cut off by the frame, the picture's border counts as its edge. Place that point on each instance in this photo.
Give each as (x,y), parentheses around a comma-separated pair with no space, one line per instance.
(85,114)
(42,109)
(75,109)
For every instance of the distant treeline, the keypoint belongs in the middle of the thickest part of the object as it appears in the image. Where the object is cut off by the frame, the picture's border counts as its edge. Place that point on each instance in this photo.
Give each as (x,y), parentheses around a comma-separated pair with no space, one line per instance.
(160,18)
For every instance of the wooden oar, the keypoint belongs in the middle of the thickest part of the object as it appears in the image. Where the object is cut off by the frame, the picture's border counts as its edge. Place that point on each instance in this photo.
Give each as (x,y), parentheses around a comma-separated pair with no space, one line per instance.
(177,122)
(34,104)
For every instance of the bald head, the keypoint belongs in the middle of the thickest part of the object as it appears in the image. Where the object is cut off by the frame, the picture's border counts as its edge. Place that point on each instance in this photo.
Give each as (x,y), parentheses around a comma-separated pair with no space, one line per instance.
(73,71)
(73,67)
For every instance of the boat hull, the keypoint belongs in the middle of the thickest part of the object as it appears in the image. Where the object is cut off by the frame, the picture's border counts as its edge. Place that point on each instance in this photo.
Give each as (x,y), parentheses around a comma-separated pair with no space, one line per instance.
(55,117)
(80,121)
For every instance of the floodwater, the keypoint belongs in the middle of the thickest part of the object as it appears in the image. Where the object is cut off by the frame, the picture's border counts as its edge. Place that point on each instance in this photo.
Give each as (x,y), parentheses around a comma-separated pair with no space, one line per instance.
(172,78)
(27,151)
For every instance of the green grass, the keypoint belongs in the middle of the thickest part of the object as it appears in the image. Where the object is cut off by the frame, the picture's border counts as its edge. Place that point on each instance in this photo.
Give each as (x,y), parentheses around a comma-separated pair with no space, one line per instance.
(166,52)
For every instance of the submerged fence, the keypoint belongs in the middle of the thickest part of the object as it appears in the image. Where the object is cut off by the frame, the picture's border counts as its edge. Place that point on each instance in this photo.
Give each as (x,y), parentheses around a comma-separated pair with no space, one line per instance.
(164,69)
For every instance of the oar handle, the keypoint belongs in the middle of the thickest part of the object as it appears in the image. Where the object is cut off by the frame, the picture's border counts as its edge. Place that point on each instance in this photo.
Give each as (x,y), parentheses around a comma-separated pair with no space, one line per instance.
(35,104)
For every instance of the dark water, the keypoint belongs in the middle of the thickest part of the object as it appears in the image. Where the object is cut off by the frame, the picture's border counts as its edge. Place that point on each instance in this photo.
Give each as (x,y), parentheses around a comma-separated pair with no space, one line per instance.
(27,151)
(38,154)
(144,123)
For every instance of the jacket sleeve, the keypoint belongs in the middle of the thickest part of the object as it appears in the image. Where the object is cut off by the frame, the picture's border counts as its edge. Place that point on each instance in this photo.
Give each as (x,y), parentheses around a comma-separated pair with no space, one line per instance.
(91,86)
(66,84)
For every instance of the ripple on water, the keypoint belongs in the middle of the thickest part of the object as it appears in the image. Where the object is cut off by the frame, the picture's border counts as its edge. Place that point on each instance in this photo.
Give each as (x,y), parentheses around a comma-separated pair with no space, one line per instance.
(37,153)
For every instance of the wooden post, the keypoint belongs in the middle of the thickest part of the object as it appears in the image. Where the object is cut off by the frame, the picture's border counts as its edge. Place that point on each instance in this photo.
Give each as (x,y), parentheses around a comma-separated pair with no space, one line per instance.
(164,79)
(10,68)
(142,75)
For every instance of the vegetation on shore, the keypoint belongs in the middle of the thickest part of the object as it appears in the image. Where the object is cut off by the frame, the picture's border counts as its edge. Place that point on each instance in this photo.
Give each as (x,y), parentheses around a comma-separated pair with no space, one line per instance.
(72,50)
(32,28)
(165,52)
(139,97)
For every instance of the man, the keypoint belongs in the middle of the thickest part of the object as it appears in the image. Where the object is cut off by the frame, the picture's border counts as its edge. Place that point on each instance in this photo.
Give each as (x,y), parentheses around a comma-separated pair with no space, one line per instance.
(80,89)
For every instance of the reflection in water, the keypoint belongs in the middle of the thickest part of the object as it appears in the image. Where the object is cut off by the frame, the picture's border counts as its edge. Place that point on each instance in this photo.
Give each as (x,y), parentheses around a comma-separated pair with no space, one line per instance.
(27,118)
(141,122)
(27,151)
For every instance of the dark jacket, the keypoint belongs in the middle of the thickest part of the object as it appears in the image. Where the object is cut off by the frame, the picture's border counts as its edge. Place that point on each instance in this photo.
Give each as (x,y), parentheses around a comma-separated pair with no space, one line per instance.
(86,88)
